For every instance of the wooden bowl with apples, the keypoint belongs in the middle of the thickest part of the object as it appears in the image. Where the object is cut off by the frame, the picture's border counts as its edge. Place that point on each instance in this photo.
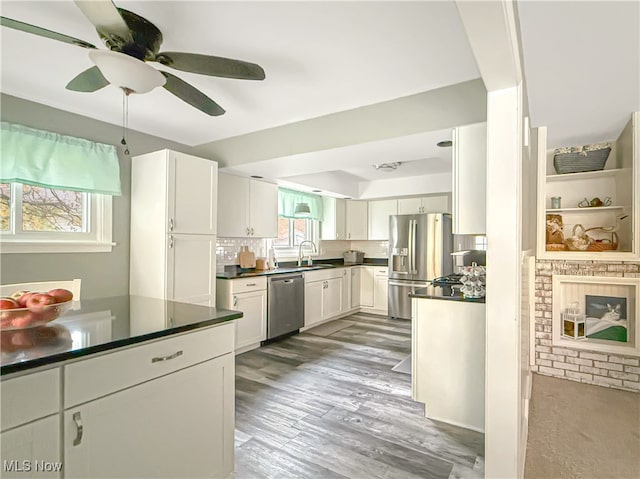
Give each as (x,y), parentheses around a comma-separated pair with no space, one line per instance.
(28,309)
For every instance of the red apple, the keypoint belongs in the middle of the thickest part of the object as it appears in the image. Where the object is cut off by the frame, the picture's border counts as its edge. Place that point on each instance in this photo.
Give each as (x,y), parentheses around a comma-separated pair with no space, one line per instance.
(17,294)
(61,295)
(24,297)
(23,320)
(8,303)
(39,301)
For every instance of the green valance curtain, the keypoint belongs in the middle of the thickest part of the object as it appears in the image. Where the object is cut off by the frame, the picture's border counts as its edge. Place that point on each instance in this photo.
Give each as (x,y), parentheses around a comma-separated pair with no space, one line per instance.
(288,199)
(47,159)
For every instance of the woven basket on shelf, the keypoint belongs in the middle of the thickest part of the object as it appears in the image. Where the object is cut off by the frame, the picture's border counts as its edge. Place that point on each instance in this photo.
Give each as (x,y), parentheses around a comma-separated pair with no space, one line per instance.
(604,245)
(578,162)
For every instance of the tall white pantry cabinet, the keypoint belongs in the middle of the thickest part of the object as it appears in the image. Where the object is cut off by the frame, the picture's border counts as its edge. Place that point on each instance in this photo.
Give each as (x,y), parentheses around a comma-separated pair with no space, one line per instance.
(173,227)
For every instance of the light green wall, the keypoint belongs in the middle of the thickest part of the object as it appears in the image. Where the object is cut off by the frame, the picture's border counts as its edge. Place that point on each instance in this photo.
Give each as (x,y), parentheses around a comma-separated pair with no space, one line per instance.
(102,274)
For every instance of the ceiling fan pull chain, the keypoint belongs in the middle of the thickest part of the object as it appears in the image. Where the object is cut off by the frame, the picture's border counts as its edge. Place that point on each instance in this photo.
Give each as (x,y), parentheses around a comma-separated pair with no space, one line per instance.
(125,120)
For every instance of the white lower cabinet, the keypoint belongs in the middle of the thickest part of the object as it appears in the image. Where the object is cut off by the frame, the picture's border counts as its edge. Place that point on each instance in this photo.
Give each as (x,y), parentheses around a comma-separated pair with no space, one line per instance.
(313,302)
(367,285)
(179,425)
(32,450)
(249,296)
(356,281)
(322,295)
(251,329)
(332,298)
(381,293)
(346,289)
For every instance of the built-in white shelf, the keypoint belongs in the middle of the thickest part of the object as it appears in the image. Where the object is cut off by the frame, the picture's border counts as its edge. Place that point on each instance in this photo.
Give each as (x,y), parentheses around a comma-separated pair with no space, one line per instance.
(589,174)
(584,210)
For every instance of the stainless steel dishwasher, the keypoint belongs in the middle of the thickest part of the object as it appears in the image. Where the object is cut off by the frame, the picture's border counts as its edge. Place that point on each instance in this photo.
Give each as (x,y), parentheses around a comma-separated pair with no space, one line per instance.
(285,296)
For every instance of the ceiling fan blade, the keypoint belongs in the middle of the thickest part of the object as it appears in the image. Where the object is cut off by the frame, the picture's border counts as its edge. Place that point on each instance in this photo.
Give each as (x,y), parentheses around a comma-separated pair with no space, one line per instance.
(88,81)
(43,32)
(191,95)
(210,65)
(105,17)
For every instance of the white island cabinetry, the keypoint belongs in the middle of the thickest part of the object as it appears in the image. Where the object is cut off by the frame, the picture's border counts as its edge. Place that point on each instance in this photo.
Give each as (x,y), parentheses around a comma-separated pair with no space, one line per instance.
(159,409)
(447,373)
(30,437)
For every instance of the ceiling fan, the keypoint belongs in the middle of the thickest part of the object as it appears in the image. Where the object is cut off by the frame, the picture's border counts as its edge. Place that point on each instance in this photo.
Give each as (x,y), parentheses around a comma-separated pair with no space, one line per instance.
(132,40)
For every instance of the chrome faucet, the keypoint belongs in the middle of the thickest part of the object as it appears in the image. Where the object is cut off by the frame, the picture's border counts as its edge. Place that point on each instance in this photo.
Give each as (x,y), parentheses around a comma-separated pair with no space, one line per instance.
(309,262)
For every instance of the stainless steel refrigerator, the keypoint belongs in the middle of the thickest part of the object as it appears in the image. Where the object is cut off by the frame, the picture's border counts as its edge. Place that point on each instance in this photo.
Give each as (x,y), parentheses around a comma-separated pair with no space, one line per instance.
(420,249)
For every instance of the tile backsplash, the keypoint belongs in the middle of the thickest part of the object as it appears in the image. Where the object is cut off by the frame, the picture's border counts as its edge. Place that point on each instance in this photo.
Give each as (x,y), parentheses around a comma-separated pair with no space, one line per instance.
(227,250)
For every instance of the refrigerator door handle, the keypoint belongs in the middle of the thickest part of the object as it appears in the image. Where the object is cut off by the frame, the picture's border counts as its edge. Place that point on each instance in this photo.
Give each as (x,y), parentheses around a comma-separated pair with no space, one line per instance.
(436,249)
(414,269)
(410,248)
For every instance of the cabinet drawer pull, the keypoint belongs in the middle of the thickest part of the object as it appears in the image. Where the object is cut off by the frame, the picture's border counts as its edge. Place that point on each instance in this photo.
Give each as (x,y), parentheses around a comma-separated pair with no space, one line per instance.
(166,358)
(251,284)
(79,429)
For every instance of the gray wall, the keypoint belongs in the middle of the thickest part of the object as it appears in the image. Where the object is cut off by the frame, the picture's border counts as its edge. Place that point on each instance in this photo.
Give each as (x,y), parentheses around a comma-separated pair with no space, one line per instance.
(102,274)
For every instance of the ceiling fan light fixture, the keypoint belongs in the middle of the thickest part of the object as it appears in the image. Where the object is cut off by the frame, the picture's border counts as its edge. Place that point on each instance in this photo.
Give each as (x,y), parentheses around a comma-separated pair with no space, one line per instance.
(387,167)
(127,72)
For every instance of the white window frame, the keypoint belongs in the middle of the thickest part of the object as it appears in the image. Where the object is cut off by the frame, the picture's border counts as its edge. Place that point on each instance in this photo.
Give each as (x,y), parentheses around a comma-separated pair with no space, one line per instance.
(287,252)
(98,238)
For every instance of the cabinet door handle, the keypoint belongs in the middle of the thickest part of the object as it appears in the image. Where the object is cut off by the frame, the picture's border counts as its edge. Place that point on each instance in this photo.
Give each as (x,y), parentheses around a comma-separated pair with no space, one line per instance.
(170,224)
(158,359)
(251,231)
(235,301)
(171,241)
(79,429)
(349,235)
(248,231)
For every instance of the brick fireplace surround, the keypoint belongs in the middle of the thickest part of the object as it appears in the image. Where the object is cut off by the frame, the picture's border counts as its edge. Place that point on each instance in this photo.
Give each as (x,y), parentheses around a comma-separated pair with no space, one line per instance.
(592,367)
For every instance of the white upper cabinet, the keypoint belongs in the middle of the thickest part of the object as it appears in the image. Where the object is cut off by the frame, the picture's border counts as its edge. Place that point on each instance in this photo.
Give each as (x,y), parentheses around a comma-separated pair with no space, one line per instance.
(193,195)
(247,208)
(263,213)
(608,231)
(356,212)
(379,212)
(426,204)
(173,192)
(334,224)
(469,179)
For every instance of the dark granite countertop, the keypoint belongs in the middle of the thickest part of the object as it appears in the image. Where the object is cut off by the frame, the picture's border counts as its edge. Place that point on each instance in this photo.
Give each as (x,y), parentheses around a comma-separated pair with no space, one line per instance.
(234,272)
(98,325)
(443,292)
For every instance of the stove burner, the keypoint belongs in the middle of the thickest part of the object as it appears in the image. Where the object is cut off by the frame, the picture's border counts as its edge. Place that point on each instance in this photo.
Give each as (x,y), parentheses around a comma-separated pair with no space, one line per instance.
(449,280)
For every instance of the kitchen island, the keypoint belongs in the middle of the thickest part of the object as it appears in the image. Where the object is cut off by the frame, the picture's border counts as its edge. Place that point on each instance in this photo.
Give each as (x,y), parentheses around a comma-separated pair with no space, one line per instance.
(121,387)
(448,355)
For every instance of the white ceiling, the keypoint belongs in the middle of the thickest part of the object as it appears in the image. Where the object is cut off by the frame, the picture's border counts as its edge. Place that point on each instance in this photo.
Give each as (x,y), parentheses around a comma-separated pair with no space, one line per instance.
(582,67)
(581,59)
(319,58)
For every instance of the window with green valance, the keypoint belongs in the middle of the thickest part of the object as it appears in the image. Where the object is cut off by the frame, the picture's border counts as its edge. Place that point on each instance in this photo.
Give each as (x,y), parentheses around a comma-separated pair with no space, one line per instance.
(50,160)
(289,199)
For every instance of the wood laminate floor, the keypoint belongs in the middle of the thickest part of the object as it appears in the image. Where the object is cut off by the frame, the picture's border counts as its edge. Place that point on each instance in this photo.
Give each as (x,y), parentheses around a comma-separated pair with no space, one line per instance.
(328,405)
